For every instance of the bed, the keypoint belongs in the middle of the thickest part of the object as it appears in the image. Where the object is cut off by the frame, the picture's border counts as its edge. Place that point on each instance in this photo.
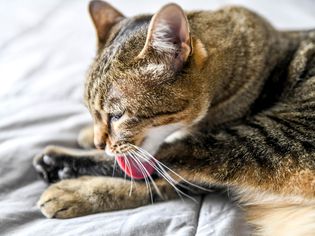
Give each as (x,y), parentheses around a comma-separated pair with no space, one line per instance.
(45,49)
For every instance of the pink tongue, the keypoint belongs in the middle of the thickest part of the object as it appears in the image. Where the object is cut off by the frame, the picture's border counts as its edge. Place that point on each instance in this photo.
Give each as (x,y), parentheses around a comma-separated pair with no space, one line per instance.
(134,169)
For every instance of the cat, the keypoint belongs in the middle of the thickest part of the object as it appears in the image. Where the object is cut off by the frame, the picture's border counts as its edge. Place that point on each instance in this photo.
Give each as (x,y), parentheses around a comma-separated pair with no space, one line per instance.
(189,101)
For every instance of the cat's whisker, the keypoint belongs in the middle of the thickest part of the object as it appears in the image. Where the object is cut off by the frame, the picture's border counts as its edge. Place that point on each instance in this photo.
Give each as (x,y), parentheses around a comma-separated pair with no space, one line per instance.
(131,179)
(172,182)
(184,180)
(125,175)
(114,167)
(179,176)
(168,178)
(143,170)
(145,178)
(165,177)
(135,154)
(144,155)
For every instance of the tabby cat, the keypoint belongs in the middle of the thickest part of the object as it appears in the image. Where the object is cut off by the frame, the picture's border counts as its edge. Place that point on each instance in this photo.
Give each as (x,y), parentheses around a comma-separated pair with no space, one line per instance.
(187,101)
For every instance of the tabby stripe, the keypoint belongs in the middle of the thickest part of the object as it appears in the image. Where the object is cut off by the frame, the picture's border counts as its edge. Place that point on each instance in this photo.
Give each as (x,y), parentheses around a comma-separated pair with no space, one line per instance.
(253,145)
(95,91)
(301,138)
(301,122)
(88,88)
(93,77)
(91,85)
(97,81)
(270,139)
(310,105)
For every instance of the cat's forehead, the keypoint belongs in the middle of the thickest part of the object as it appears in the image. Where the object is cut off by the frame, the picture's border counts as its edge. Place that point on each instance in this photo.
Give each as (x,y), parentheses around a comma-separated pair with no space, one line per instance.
(127,37)
(117,57)
(115,71)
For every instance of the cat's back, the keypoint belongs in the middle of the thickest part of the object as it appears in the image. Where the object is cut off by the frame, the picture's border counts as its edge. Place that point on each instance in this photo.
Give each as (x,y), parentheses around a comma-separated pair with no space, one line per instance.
(224,23)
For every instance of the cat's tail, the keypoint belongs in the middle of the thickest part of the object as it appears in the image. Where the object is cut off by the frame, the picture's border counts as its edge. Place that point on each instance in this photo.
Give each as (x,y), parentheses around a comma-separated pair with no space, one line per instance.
(281,216)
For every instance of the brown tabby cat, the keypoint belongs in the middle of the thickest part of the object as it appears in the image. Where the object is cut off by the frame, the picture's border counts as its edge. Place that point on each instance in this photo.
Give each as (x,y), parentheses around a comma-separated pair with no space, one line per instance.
(200,98)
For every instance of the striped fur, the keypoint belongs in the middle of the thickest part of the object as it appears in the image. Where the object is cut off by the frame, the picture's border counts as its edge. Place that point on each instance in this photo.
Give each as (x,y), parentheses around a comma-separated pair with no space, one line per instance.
(245,97)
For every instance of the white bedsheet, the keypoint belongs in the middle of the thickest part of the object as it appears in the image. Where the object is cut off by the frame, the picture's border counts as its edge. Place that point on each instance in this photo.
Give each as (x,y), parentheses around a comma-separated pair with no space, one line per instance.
(45,49)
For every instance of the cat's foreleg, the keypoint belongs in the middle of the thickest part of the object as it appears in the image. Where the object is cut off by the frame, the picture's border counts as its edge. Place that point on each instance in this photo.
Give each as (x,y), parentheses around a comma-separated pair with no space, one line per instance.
(57,163)
(91,194)
(241,157)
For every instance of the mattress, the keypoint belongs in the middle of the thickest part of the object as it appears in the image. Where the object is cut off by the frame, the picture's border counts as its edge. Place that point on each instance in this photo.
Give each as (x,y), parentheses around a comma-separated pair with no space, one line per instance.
(45,49)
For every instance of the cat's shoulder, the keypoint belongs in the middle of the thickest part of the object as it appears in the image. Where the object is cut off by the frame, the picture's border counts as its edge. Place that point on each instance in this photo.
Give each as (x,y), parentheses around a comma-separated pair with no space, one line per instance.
(231,13)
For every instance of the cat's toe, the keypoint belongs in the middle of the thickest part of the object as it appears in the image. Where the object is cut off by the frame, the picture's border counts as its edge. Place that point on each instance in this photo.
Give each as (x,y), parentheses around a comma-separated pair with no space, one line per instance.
(52,167)
(61,200)
(44,170)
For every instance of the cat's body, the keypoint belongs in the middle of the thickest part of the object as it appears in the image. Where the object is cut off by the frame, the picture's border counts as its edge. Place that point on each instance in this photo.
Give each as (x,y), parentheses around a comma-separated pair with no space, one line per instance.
(228,101)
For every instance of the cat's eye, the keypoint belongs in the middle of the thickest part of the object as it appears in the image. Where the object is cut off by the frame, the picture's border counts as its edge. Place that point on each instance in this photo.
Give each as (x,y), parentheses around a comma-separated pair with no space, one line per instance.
(115,116)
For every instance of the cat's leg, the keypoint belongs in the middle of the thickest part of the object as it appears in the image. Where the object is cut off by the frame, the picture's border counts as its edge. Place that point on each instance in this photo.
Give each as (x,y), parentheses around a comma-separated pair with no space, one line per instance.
(248,166)
(91,194)
(86,137)
(273,153)
(56,163)
(270,167)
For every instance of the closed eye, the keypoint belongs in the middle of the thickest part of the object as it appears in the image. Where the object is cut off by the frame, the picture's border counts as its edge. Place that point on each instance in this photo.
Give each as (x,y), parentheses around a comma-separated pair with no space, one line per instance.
(153,114)
(115,116)
(158,114)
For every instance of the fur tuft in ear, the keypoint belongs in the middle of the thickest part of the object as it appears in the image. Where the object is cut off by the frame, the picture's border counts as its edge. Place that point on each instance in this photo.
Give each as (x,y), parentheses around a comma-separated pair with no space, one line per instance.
(169,33)
(104,16)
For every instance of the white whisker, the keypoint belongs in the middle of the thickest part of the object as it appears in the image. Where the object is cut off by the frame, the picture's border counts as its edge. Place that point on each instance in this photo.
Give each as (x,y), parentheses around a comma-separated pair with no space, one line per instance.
(152,180)
(114,167)
(179,176)
(143,170)
(131,179)
(167,177)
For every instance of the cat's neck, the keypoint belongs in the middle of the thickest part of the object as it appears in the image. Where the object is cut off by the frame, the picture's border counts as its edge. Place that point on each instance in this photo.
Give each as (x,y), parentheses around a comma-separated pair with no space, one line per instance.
(238,64)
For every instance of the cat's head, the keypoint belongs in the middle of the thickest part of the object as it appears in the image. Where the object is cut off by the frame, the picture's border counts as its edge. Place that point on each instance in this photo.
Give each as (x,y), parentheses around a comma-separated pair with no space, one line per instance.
(142,85)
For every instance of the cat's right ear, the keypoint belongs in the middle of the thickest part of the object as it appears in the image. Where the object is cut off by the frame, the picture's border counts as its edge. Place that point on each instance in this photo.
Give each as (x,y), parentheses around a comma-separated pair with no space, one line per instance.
(104,16)
(169,32)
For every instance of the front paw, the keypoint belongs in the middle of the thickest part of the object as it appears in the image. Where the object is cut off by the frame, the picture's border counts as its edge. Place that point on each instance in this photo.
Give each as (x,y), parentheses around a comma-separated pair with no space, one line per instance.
(64,200)
(53,166)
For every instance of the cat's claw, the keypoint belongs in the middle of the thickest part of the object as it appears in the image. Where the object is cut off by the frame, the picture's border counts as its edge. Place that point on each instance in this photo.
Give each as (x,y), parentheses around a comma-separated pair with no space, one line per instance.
(53,167)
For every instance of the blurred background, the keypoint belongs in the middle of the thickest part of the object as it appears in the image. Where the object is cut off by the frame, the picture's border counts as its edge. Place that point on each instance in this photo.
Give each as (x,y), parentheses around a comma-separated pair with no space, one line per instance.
(55,39)
(45,50)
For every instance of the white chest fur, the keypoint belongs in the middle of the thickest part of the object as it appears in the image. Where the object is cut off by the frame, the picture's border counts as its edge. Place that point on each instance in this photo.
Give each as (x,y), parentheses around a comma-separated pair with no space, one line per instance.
(166,133)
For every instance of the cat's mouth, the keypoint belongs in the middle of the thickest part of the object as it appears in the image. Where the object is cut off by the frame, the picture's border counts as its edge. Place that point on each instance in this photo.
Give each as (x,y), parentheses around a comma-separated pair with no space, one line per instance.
(139,162)
(136,168)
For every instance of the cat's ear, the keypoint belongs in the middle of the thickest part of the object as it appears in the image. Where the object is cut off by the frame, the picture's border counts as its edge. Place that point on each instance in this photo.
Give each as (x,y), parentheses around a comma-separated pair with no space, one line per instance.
(169,33)
(104,16)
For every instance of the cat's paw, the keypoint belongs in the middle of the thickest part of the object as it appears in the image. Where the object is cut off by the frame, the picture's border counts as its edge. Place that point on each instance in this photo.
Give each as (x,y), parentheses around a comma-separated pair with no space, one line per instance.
(65,199)
(53,166)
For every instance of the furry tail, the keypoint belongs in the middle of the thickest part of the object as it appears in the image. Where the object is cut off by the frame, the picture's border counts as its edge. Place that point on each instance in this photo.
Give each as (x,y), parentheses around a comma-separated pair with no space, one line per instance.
(278,216)
(282,219)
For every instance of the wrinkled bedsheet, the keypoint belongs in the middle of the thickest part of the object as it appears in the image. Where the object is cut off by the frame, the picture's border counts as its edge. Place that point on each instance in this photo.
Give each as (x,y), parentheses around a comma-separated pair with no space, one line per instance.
(45,49)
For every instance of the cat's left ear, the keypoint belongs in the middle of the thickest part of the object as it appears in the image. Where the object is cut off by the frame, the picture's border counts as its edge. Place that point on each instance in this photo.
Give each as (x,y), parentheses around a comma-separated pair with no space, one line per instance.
(169,33)
(104,17)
